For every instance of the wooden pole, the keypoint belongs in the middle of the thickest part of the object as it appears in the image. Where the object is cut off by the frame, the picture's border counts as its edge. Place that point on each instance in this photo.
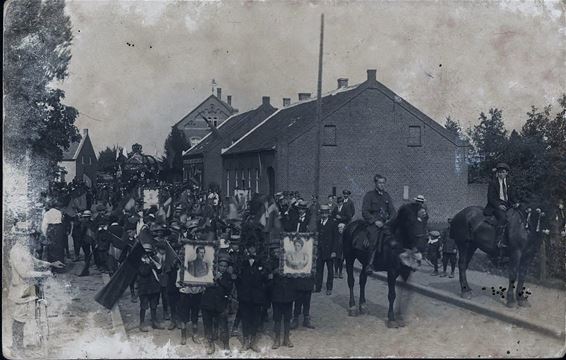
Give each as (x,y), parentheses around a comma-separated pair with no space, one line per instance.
(318,120)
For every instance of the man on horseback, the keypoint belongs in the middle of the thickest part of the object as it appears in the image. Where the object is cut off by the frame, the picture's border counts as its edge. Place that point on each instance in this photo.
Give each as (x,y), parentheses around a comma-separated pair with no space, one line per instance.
(499,200)
(377,209)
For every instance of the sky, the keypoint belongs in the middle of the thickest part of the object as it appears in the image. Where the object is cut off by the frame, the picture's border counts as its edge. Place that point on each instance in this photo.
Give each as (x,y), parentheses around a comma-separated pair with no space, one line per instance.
(138,67)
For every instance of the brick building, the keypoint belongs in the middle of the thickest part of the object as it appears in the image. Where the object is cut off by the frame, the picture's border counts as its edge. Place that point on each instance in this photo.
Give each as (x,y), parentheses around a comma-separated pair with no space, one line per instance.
(367,129)
(214,109)
(202,164)
(79,161)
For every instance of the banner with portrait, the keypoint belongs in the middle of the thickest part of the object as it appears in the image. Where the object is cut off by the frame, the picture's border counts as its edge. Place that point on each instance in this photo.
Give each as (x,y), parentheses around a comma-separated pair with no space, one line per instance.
(150,198)
(297,257)
(199,262)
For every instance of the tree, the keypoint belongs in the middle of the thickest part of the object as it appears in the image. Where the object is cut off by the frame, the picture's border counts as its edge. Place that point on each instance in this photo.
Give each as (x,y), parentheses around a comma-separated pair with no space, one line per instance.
(108,158)
(37,39)
(453,126)
(489,139)
(173,158)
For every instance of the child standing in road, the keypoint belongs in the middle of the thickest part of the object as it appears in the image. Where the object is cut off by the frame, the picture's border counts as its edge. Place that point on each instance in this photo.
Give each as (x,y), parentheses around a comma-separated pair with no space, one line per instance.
(449,251)
(434,250)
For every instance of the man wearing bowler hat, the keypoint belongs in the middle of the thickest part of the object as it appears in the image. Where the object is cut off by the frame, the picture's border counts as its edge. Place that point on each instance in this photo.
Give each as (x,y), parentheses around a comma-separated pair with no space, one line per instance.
(499,200)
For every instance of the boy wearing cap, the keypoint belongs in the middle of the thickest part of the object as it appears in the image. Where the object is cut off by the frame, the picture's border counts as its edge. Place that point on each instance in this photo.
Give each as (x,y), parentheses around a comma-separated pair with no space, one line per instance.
(339,260)
(349,204)
(87,236)
(214,303)
(434,250)
(449,251)
(149,287)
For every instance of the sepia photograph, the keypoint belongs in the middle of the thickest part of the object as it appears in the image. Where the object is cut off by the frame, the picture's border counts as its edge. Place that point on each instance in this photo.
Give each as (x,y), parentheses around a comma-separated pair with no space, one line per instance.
(298,255)
(284,179)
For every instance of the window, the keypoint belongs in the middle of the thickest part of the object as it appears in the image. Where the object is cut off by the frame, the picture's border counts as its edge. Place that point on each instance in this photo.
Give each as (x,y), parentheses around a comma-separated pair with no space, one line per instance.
(414,136)
(194,140)
(89,160)
(215,123)
(243,180)
(250,179)
(83,160)
(329,136)
(184,173)
(257,180)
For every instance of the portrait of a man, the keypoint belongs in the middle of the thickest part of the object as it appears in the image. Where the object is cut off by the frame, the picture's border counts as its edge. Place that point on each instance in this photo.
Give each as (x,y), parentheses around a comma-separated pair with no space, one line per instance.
(198,267)
(296,259)
(199,262)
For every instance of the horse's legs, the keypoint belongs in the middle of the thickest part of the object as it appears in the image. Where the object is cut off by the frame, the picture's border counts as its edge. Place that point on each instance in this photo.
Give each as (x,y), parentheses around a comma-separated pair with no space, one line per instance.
(363,281)
(351,281)
(463,263)
(391,280)
(513,271)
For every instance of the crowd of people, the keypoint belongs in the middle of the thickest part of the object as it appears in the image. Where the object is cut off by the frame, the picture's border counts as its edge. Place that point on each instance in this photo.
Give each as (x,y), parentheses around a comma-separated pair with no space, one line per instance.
(244,235)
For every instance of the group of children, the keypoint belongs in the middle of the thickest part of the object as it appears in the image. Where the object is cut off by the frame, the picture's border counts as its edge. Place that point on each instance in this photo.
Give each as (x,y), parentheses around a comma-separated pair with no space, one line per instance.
(442,244)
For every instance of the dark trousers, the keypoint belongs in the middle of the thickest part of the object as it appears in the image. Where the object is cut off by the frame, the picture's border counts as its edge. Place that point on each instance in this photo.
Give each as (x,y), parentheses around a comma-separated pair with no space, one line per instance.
(77,245)
(188,308)
(209,318)
(433,257)
(282,311)
(165,299)
(338,265)
(102,259)
(449,257)
(173,298)
(303,303)
(251,317)
(86,246)
(320,273)
(501,217)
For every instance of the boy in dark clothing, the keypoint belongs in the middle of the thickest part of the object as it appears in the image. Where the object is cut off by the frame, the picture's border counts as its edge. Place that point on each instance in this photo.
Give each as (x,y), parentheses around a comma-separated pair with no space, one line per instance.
(282,296)
(434,250)
(449,251)
(251,283)
(214,305)
(149,287)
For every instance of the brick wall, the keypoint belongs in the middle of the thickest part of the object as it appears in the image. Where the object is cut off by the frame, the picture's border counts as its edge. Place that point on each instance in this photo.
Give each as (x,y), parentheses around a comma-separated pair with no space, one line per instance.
(371,137)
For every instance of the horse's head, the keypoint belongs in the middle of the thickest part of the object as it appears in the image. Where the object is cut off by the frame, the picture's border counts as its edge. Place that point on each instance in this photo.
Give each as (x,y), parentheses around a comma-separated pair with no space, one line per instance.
(518,223)
(410,224)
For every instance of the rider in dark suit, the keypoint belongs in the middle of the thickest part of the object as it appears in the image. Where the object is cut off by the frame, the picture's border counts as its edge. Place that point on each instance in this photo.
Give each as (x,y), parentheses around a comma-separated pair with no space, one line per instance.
(499,200)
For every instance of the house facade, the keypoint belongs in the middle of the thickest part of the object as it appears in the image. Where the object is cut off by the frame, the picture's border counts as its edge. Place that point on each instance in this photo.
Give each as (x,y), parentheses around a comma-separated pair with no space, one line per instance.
(366,129)
(194,126)
(80,161)
(202,163)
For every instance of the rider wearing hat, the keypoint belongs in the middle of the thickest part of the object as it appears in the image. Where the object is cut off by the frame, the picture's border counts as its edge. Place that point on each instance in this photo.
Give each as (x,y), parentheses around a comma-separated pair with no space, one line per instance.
(499,200)
(377,209)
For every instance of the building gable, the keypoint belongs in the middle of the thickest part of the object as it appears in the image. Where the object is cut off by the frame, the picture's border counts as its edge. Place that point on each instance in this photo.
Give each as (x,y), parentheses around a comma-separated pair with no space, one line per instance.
(211,106)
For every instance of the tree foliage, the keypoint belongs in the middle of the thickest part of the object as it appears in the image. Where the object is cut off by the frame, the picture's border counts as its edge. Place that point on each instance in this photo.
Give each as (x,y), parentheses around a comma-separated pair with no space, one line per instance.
(37,125)
(107,158)
(173,155)
(453,127)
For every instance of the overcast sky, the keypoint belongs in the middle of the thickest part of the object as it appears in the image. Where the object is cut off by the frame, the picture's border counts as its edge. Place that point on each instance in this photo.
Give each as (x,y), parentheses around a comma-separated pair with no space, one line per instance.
(446,58)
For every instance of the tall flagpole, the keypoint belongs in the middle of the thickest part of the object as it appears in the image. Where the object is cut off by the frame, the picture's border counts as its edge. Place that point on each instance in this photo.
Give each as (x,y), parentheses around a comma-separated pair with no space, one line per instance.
(318,120)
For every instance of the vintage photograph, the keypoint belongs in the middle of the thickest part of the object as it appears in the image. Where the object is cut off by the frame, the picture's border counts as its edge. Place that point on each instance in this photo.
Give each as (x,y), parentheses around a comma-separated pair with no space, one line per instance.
(199,263)
(299,254)
(284,179)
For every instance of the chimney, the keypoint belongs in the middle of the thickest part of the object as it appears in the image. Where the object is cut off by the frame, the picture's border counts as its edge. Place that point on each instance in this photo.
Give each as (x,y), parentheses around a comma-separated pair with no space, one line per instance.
(219,93)
(265,100)
(342,83)
(304,96)
(372,75)
(229,99)
(85,132)
(286,102)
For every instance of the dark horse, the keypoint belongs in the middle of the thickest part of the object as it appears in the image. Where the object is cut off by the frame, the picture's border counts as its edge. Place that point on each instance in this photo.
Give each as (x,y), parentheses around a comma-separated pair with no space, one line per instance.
(471,232)
(399,233)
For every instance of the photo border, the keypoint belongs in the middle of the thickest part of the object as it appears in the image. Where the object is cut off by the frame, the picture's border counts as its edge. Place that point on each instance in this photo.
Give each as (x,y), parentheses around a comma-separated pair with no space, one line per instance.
(196,243)
(312,273)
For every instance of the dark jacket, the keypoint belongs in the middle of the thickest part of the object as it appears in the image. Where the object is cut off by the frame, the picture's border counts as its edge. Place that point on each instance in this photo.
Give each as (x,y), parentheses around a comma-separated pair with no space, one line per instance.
(448,244)
(493,200)
(103,240)
(282,289)
(344,215)
(147,283)
(327,239)
(377,206)
(350,208)
(215,297)
(252,281)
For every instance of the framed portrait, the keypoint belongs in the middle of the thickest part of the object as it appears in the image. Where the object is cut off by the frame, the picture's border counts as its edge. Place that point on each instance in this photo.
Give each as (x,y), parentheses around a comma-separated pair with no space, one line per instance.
(298,255)
(199,262)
